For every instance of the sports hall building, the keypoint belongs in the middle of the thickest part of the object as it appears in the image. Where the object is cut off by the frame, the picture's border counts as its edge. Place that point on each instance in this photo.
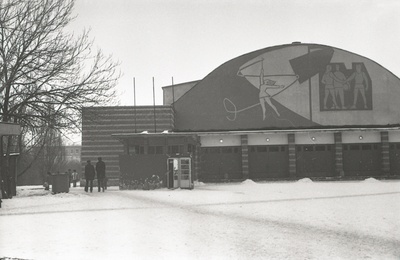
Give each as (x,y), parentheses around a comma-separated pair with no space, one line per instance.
(283,112)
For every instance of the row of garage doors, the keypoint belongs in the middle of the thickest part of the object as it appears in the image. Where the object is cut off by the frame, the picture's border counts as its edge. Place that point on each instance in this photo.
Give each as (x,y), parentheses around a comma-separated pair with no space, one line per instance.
(311,161)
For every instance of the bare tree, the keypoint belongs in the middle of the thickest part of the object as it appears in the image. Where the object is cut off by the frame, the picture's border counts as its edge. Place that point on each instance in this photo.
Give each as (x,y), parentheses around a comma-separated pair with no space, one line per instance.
(47,75)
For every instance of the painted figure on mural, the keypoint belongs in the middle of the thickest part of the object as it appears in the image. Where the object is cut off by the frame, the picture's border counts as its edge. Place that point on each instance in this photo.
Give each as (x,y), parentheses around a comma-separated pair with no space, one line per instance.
(340,85)
(328,79)
(265,97)
(360,85)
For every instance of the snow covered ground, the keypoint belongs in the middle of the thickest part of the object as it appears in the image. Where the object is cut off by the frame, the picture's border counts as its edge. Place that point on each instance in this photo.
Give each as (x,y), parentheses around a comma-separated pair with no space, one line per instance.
(248,220)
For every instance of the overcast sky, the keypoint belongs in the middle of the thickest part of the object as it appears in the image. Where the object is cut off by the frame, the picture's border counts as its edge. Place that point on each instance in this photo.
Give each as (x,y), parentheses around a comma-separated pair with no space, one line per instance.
(187,39)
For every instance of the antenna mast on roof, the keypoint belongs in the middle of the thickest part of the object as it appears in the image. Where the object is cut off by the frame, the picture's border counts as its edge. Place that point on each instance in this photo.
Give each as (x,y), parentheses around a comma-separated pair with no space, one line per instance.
(134,101)
(154,108)
(173,94)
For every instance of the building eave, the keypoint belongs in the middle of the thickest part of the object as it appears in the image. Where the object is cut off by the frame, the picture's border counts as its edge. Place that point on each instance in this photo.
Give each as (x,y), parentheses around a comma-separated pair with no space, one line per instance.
(244,132)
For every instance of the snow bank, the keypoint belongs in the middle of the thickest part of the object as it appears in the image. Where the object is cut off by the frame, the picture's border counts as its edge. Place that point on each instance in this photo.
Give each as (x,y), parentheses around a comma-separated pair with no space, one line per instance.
(306,180)
(371,180)
(198,183)
(249,182)
(32,192)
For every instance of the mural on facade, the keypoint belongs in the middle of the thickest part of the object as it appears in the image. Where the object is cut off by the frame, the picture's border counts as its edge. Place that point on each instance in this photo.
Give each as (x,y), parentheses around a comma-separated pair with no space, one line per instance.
(274,73)
(291,86)
(345,89)
(268,87)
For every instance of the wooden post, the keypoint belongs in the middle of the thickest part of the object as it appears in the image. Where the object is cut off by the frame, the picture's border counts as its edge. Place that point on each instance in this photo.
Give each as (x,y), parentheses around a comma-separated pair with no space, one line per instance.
(245,156)
(292,155)
(338,155)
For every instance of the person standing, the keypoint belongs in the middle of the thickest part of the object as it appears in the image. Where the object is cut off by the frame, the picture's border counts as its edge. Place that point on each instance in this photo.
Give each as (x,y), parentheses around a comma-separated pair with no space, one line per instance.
(69,172)
(101,173)
(47,181)
(89,176)
(74,177)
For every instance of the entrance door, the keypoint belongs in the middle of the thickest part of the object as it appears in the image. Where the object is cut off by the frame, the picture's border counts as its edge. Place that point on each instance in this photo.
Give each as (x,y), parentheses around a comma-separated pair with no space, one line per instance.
(179,173)
(172,169)
(185,173)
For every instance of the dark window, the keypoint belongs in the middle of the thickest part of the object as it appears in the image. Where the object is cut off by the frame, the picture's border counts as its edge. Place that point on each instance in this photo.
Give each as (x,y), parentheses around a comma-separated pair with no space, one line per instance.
(174,149)
(226,150)
(354,147)
(366,147)
(137,149)
(308,148)
(274,149)
(155,150)
(214,150)
(261,149)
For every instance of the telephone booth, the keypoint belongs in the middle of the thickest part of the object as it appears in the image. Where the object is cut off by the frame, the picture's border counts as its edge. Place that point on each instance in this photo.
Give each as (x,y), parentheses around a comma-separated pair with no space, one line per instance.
(179,173)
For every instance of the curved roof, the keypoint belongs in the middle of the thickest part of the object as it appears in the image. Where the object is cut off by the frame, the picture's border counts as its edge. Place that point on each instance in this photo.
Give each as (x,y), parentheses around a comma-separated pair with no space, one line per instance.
(292,86)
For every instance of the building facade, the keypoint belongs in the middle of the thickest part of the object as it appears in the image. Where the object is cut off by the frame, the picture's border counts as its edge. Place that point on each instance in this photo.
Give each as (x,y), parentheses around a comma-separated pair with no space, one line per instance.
(283,112)
(73,152)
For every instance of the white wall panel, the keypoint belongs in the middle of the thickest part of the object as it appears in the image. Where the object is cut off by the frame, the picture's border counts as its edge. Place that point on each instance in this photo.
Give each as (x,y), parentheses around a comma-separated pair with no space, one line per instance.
(361,137)
(268,139)
(314,138)
(394,136)
(220,140)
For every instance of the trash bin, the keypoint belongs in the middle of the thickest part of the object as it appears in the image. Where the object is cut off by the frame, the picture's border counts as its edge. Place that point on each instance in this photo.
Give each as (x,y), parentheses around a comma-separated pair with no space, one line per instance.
(60,183)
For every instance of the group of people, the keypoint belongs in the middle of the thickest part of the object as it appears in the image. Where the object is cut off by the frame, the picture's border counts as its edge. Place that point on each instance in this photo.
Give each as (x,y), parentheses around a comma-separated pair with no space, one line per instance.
(90,174)
(73,177)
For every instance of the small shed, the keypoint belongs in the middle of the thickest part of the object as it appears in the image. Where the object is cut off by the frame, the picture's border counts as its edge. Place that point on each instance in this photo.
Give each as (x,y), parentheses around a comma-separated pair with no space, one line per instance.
(8,169)
(145,154)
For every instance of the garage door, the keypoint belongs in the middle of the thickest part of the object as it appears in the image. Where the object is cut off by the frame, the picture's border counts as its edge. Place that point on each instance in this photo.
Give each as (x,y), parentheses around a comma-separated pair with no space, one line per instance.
(268,162)
(315,160)
(221,163)
(395,159)
(362,159)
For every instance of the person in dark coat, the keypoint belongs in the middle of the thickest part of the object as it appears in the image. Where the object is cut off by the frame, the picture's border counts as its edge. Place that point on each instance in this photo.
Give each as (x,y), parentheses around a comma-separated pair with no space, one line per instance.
(47,181)
(89,176)
(101,174)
